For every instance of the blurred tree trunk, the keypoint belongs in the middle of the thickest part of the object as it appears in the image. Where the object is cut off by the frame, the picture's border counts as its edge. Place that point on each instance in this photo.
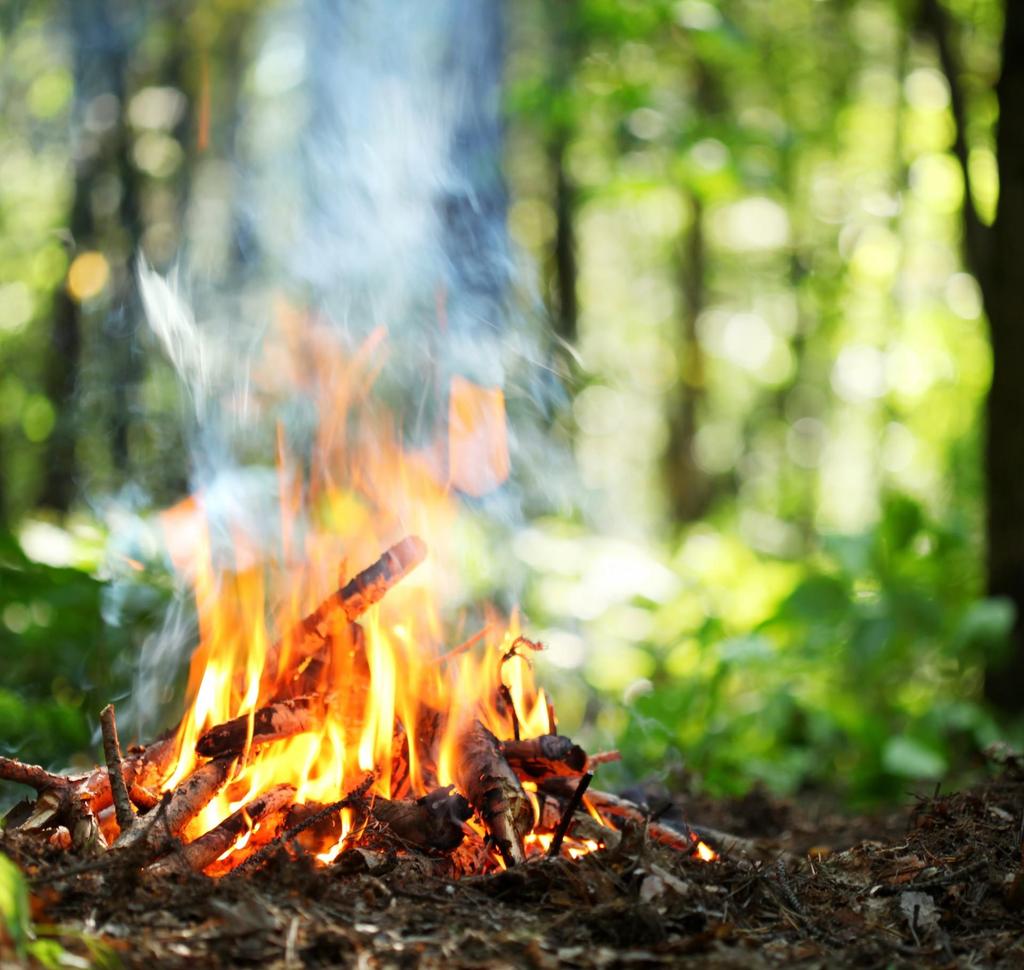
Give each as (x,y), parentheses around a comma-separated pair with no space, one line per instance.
(122,324)
(688,487)
(996,255)
(60,466)
(1000,278)
(564,271)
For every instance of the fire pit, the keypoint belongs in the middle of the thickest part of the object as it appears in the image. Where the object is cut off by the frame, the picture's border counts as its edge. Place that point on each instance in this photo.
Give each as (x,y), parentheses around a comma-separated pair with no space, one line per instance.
(473,771)
(354,724)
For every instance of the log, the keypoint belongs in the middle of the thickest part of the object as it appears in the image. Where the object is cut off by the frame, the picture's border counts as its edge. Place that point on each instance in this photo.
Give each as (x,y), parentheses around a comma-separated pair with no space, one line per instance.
(196,792)
(494,791)
(268,810)
(283,719)
(549,756)
(433,822)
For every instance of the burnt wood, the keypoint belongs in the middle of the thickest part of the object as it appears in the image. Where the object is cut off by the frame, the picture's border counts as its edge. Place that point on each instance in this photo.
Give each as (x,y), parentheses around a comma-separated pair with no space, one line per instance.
(550,755)
(494,791)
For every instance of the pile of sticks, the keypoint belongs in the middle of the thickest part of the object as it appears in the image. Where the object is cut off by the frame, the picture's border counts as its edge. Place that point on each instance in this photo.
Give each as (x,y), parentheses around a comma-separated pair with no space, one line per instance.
(119,808)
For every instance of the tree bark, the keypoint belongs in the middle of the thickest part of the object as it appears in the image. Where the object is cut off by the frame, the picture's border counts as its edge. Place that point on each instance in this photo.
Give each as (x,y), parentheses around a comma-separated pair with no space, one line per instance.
(687,485)
(1004,440)
(995,256)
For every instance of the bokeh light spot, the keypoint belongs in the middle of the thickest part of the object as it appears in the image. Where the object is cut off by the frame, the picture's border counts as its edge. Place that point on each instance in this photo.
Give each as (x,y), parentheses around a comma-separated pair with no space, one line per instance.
(88,276)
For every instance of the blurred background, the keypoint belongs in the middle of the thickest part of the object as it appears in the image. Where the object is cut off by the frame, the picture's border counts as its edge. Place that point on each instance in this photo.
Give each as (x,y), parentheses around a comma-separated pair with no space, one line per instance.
(767,244)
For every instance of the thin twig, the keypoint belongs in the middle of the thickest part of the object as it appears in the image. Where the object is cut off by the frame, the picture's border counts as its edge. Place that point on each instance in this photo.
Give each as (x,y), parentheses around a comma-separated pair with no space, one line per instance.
(563,825)
(352,798)
(462,647)
(506,696)
(787,888)
(115,770)
(926,884)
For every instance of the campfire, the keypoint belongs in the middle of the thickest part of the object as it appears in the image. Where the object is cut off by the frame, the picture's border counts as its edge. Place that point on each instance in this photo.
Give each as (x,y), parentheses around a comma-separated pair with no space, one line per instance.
(358,722)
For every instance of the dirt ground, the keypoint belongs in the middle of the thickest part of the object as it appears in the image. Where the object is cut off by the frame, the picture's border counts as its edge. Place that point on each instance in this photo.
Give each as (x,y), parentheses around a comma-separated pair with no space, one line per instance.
(940,884)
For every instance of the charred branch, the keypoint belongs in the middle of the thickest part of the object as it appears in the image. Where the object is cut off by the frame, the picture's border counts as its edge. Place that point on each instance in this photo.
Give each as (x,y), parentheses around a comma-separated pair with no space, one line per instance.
(283,719)
(620,809)
(349,603)
(550,755)
(356,798)
(266,811)
(433,822)
(566,820)
(494,791)
(34,776)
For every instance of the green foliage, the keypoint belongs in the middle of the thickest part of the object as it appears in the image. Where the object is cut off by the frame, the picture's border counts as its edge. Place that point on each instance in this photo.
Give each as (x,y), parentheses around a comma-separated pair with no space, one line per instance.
(15,918)
(766,208)
(41,944)
(62,663)
(864,675)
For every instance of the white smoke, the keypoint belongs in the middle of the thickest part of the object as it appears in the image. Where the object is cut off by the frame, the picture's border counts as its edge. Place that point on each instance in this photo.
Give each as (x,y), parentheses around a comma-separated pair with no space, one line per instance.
(370,194)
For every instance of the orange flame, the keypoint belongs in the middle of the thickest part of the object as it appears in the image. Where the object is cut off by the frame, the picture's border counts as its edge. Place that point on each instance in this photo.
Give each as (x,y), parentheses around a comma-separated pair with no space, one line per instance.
(392,694)
(356,491)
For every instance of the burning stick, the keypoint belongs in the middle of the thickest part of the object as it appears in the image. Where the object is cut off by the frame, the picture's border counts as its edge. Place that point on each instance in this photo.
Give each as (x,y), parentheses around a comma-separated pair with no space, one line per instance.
(354,799)
(195,793)
(550,755)
(143,770)
(115,771)
(267,810)
(369,586)
(431,822)
(494,791)
(283,719)
(355,597)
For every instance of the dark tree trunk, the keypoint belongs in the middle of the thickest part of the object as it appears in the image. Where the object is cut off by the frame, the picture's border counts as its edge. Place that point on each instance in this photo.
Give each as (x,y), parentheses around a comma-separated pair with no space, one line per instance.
(60,467)
(567,43)
(122,323)
(995,255)
(687,485)
(1000,278)
(565,269)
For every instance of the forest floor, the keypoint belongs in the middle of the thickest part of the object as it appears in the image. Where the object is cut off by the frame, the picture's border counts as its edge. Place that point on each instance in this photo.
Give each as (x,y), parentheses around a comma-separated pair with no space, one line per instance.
(940,884)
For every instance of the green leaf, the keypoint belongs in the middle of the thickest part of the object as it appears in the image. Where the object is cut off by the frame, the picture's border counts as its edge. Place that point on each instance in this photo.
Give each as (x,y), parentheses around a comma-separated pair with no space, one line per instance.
(14,908)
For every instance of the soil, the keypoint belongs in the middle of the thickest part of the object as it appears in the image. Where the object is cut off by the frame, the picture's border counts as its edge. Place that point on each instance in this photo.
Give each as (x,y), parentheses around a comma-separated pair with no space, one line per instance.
(939,884)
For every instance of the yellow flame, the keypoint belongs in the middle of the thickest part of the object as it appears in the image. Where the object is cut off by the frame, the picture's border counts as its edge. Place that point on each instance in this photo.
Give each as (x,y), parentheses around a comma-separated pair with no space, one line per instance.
(395,696)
